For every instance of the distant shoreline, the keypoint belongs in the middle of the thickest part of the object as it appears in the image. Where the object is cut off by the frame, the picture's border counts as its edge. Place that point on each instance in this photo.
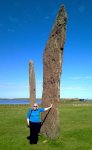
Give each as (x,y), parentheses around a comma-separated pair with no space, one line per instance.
(17,98)
(63,99)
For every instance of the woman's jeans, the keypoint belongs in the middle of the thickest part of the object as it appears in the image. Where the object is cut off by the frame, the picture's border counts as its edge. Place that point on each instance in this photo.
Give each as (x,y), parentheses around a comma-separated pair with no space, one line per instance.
(34,131)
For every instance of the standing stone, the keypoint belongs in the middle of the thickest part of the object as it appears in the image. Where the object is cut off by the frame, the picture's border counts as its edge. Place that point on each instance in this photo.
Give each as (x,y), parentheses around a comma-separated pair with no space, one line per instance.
(32,83)
(52,63)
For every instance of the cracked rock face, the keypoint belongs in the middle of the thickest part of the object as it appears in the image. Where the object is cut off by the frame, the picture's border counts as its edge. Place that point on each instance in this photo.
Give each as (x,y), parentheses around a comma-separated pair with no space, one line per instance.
(52,67)
(32,83)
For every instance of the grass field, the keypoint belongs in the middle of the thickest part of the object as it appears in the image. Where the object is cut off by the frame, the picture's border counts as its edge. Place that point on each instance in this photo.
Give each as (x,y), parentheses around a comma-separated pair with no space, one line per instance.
(75,122)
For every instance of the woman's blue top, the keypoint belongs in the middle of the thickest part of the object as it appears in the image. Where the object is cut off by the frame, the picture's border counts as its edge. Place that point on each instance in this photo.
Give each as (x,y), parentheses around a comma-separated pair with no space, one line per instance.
(34,115)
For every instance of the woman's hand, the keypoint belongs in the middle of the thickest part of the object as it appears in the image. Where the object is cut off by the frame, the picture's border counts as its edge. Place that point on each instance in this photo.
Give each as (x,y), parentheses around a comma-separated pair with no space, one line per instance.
(51,105)
(48,107)
(28,121)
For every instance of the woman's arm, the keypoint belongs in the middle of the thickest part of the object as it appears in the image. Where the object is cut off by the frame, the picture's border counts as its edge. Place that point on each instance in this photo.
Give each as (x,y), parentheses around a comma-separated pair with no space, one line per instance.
(48,108)
(28,121)
(28,116)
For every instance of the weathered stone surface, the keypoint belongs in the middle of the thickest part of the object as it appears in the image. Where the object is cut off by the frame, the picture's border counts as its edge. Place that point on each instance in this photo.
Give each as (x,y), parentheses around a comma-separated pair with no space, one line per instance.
(32,90)
(52,63)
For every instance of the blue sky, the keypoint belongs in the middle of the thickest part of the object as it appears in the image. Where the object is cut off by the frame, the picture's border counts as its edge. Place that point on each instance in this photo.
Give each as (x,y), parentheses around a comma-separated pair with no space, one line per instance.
(25,26)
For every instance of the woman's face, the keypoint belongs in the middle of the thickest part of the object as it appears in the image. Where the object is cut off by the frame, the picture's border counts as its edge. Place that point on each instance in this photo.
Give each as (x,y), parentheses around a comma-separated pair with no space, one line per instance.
(35,106)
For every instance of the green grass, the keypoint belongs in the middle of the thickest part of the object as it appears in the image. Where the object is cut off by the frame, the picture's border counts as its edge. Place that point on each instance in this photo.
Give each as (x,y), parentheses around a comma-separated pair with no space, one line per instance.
(75,122)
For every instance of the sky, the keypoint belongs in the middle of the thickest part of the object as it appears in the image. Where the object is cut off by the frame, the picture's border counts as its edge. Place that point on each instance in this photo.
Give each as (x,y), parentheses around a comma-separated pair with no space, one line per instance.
(25,26)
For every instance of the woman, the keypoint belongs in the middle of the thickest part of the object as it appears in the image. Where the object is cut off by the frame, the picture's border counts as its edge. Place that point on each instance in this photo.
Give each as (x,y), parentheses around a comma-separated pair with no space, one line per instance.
(34,122)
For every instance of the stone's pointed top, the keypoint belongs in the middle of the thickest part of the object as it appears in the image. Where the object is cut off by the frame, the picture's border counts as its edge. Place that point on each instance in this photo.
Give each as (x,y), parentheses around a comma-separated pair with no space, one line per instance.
(62,15)
(30,62)
(62,8)
(60,22)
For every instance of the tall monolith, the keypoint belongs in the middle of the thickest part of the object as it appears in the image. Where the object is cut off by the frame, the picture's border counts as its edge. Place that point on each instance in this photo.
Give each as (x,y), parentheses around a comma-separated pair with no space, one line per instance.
(52,67)
(32,85)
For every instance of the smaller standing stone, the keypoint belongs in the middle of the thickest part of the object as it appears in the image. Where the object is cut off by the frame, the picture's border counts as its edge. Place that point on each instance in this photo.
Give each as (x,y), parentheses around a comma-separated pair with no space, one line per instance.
(32,83)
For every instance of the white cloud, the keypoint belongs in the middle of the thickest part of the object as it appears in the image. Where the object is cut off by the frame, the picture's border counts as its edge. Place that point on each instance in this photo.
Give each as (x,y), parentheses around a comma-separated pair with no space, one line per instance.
(13,86)
(81,88)
(12,90)
(71,88)
(81,77)
(76,78)
(88,77)
(76,92)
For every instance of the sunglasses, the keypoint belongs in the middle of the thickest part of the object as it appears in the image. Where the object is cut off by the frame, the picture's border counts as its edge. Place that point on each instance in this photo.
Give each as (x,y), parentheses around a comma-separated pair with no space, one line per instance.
(34,106)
